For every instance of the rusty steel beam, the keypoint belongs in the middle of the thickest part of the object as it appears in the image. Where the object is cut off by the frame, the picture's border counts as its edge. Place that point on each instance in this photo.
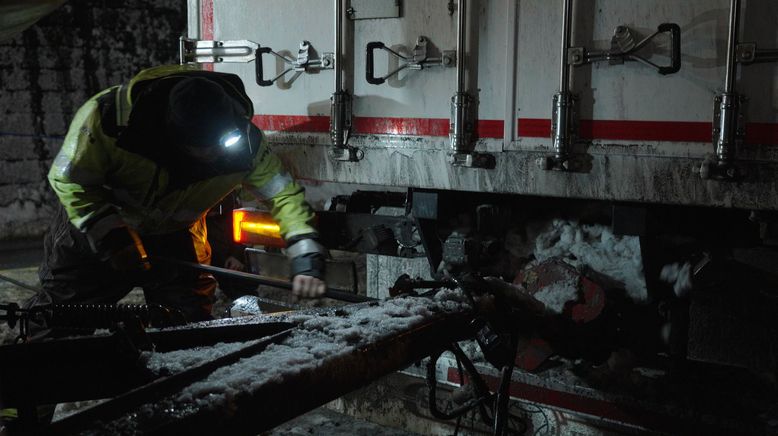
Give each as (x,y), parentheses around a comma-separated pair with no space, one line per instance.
(278,401)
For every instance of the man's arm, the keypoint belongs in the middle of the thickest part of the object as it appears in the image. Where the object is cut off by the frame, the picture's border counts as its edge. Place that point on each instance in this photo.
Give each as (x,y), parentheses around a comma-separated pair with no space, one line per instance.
(270,182)
(78,176)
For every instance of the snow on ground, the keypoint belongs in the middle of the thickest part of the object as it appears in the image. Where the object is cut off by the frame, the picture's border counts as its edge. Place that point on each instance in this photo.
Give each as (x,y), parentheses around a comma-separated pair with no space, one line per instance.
(597,247)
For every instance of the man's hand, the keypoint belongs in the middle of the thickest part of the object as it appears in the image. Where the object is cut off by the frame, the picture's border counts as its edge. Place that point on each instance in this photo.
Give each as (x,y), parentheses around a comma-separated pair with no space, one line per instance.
(308,267)
(304,286)
(123,249)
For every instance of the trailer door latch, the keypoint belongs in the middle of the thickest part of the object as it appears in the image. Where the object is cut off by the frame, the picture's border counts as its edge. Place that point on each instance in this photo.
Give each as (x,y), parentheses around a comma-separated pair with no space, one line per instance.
(418,60)
(193,51)
(624,48)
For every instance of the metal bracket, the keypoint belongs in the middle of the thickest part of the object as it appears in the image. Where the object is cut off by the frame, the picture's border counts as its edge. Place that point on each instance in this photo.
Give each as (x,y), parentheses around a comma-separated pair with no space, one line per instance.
(624,49)
(729,131)
(340,128)
(749,53)
(739,112)
(419,59)
(564,131)
(473,160)
(194,51)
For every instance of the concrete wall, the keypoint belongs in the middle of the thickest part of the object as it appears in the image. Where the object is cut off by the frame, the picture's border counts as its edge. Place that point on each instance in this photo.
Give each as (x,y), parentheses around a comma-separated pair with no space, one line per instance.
(46,73)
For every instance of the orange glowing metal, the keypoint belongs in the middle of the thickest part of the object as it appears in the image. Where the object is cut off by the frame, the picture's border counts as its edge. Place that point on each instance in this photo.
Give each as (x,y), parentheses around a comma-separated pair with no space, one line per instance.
(237,221)
(250,226)
(265,229)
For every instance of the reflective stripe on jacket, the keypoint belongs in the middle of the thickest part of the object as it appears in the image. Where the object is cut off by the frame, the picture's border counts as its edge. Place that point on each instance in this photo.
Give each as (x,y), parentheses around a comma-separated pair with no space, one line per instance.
(93,177)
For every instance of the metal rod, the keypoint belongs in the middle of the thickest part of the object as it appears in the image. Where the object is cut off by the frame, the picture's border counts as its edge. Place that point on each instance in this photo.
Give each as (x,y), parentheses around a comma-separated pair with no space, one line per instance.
(766,55)
(338,45)
(334,293)
(734,23)
(509,126)
(460,102)
(461,40)
(564,74)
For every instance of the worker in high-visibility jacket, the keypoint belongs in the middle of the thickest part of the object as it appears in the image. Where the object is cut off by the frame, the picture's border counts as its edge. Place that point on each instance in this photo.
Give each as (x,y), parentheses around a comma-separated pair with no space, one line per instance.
(141,165)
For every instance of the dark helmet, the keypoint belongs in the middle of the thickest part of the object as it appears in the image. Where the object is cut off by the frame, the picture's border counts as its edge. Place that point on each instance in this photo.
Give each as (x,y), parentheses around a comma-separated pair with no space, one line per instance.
(203,119)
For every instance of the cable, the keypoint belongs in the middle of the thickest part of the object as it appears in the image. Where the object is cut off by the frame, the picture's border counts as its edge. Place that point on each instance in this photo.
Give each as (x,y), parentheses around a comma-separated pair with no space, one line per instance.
(432,383)
(502,401)
(19,284)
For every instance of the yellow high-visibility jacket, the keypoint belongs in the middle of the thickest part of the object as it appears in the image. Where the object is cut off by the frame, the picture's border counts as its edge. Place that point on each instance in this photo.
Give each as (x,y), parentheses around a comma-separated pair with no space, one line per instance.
(104,182)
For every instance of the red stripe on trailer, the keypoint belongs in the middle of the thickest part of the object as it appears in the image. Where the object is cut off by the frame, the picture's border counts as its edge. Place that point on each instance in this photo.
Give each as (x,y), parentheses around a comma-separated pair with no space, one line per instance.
(679,131)
(490,128)
(674,131)
(608,410)
(762,133)
(206,25)
(534,127)
(206,19)
(401,126)
(373,125)
(421,126)
(292,123)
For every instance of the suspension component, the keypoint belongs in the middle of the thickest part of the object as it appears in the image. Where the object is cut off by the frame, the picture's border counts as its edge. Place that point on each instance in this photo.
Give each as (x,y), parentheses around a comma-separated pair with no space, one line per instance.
(92,316)
(88,316)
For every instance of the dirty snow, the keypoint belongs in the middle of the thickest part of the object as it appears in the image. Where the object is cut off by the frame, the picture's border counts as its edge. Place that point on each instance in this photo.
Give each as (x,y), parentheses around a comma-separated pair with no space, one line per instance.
(557,294)
(680,276)
(179,360)
(598,248)
(318,336)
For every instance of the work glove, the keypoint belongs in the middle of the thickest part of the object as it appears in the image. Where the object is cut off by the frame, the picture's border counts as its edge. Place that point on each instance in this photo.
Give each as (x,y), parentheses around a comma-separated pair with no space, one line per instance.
(307,269)
(123,249)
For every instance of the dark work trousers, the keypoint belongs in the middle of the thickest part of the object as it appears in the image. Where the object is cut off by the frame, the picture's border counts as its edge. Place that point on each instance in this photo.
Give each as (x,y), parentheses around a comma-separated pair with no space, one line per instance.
(71,273)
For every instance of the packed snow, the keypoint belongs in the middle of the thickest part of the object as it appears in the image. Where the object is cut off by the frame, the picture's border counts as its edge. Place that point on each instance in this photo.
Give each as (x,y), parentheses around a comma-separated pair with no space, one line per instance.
(179,360)
(557,294)
(598,248)
(318,337)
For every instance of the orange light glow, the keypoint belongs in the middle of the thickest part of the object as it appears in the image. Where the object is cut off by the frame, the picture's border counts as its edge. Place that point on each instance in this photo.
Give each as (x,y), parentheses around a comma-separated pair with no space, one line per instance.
(271,229)
(251,226)
(237,224)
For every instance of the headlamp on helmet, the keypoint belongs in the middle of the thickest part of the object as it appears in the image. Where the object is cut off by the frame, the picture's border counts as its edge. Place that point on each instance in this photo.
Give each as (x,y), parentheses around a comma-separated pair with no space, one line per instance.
(230,138)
